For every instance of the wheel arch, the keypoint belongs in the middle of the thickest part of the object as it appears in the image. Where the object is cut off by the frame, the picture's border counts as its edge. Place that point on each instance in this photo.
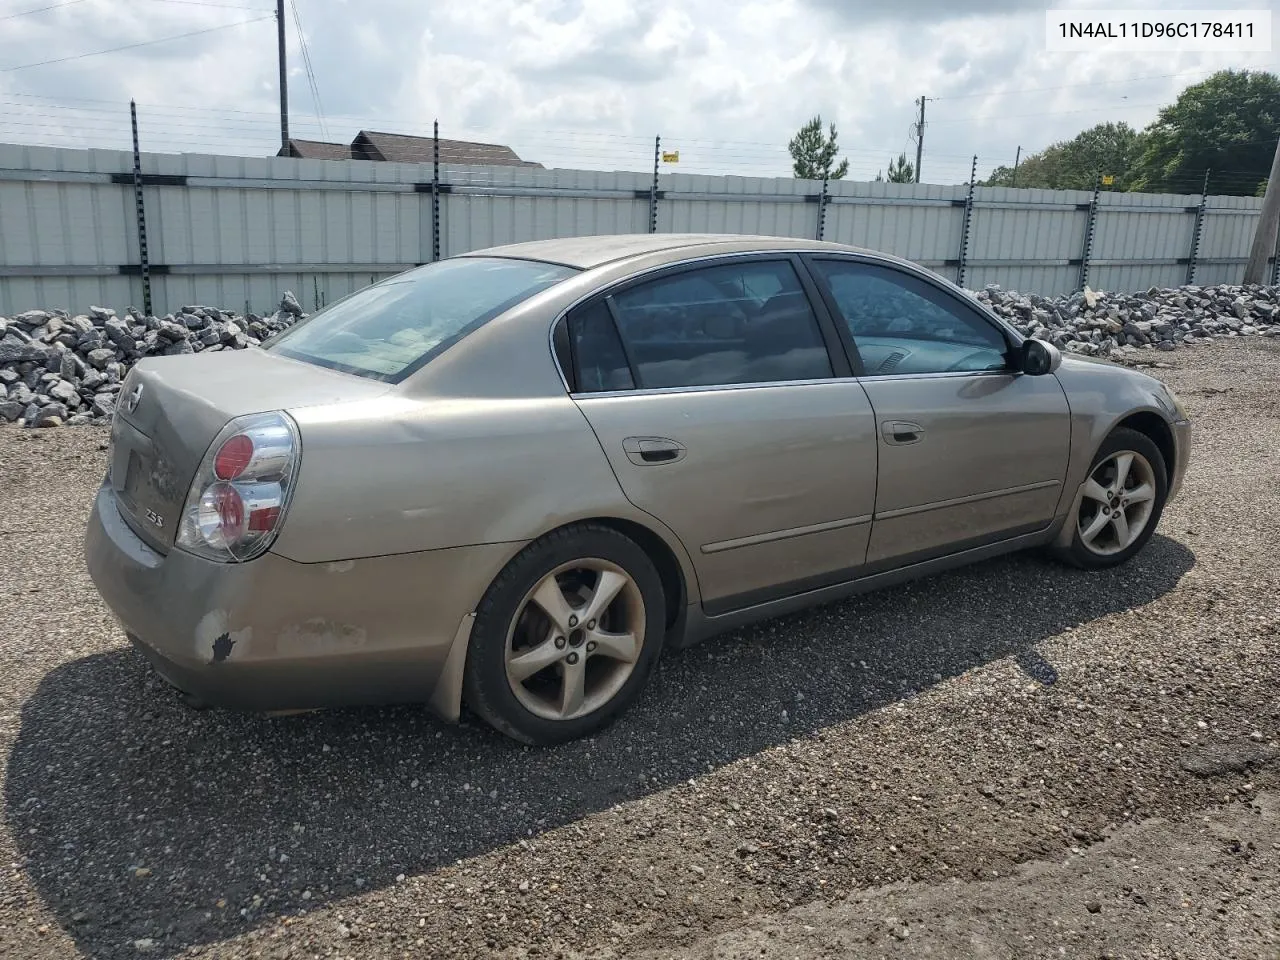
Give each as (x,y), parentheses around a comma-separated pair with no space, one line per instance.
(1153,426)
(675,588)
(678,585)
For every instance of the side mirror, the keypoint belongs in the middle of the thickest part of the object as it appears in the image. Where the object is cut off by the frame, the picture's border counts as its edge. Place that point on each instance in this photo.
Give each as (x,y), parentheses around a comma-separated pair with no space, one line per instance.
(1039,357)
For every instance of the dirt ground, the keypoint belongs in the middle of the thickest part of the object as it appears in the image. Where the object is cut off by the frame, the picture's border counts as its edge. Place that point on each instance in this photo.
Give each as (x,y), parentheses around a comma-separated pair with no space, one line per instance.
(1012,760)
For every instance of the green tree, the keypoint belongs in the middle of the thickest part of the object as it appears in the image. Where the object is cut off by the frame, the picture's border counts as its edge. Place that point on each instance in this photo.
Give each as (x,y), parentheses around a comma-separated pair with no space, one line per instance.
(813,152)
(1108,149)
(900,171)
(1228,123)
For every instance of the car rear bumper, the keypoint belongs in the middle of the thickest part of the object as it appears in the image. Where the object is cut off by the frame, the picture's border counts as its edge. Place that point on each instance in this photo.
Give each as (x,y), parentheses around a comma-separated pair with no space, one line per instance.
(274,634)
(1182,455)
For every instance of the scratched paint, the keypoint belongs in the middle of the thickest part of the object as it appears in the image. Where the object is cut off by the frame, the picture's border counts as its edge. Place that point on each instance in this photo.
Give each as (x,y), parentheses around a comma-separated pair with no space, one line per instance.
(319,635)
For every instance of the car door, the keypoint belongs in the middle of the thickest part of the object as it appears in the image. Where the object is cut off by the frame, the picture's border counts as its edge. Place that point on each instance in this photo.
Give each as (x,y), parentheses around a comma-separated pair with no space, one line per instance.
(713,393)
(971,451)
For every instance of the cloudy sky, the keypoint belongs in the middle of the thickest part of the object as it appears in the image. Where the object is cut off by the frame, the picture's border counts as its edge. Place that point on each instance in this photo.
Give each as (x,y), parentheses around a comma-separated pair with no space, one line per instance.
(583,83)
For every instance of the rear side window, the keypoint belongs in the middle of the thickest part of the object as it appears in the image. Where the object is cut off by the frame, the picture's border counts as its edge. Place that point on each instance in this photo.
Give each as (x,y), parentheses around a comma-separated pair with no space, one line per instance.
(389,330)
(601,360)
(748,322)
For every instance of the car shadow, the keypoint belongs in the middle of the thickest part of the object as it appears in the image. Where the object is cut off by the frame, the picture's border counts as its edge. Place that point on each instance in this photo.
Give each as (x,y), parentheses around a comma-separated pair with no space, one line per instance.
(139,818)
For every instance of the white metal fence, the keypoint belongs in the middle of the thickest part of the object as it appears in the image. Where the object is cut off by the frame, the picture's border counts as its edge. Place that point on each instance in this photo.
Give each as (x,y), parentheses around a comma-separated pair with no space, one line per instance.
(237,231)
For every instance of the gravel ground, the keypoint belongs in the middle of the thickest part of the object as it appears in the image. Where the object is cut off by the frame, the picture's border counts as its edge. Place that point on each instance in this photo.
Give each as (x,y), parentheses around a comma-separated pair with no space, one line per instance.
(964,766)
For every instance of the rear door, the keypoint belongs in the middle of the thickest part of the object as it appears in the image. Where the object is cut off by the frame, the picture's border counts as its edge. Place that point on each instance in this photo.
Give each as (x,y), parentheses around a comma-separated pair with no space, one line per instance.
(714,392)
(971,452)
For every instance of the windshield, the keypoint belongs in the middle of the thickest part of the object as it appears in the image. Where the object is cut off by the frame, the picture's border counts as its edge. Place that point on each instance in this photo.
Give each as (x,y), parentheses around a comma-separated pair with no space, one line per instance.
(389,330)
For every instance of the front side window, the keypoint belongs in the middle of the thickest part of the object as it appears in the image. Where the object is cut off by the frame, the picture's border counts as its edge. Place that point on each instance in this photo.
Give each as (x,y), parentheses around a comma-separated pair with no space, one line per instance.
(389,330)
(748,322)
(902,324)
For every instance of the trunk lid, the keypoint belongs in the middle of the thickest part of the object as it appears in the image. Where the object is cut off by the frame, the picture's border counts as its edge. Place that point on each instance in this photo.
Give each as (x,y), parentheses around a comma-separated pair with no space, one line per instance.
(170,409)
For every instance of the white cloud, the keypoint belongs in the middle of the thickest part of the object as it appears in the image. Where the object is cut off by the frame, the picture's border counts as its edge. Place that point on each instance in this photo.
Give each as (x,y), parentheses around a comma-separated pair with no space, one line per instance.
(588,82)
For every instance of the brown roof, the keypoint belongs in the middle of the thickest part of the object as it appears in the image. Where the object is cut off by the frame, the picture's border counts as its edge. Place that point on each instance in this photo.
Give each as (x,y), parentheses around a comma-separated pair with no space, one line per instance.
(315,150)
(397,148)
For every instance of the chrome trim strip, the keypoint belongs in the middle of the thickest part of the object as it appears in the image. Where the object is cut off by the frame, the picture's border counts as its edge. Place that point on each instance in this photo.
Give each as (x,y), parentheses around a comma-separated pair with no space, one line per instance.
(941,375)
(706,388)
(787,534)
(975,498)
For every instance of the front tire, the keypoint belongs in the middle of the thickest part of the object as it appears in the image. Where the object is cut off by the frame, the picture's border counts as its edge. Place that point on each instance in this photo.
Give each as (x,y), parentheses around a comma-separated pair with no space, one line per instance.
(1120,502)
(566,636)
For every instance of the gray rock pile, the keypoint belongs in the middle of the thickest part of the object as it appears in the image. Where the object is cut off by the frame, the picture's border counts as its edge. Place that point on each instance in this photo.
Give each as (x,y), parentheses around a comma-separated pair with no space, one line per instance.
(56,368)
(1102,324)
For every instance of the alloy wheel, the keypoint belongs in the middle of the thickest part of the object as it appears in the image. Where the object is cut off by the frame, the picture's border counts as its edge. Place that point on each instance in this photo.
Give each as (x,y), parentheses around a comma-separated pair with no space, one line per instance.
(575,639)
(1118,500)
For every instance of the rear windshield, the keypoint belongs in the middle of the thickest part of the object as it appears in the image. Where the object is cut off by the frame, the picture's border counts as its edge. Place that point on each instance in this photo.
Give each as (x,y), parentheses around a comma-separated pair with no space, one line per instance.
(389,330)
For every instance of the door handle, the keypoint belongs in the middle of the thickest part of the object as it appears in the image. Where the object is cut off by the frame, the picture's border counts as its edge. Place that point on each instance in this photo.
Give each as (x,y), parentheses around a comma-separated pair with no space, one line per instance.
(650,451)
(901,432)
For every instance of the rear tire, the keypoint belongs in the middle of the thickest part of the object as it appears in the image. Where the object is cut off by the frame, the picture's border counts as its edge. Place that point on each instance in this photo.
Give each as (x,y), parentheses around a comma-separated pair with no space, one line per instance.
(1120,504)
(566,636)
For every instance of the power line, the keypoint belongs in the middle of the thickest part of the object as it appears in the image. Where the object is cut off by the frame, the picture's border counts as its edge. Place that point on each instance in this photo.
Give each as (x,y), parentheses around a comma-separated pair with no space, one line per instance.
(549,134)
(52,6)
(249,123)
(311,74)
(416,126)
(131,46)
(216,6)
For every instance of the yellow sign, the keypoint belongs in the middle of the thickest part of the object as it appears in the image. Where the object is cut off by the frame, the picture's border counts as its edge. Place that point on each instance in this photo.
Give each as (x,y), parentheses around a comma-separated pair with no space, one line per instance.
(1108,180)
(673,157)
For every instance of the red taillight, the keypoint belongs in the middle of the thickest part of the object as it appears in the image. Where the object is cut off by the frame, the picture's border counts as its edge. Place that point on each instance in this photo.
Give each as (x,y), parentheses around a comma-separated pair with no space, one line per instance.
(263,520)
(232,457)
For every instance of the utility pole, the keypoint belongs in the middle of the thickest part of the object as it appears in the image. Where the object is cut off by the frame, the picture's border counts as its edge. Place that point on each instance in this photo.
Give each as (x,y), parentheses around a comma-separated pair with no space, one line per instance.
(1016,157)
(1264,234)
(284,80)
(919,137)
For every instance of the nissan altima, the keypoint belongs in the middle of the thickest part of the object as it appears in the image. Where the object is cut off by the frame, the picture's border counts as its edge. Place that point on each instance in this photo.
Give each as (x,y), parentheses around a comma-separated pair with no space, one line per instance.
(510,479)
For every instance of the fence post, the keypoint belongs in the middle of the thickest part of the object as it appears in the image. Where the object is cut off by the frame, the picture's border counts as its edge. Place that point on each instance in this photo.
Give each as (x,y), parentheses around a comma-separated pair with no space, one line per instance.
(968,223)
(653,187)
(1275,262)
(1195,234)
(141,211)
(435,192)
(1088,233)
(823,199)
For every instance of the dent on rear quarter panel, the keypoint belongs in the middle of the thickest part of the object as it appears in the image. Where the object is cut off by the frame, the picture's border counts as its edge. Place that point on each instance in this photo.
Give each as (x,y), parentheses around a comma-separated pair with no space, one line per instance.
(387,478)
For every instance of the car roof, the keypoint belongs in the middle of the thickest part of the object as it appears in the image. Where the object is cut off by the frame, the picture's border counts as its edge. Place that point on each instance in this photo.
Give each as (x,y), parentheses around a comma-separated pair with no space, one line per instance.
(594,251)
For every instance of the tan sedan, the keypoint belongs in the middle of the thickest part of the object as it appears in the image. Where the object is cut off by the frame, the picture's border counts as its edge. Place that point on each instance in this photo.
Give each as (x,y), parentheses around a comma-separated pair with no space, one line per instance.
(513,477)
